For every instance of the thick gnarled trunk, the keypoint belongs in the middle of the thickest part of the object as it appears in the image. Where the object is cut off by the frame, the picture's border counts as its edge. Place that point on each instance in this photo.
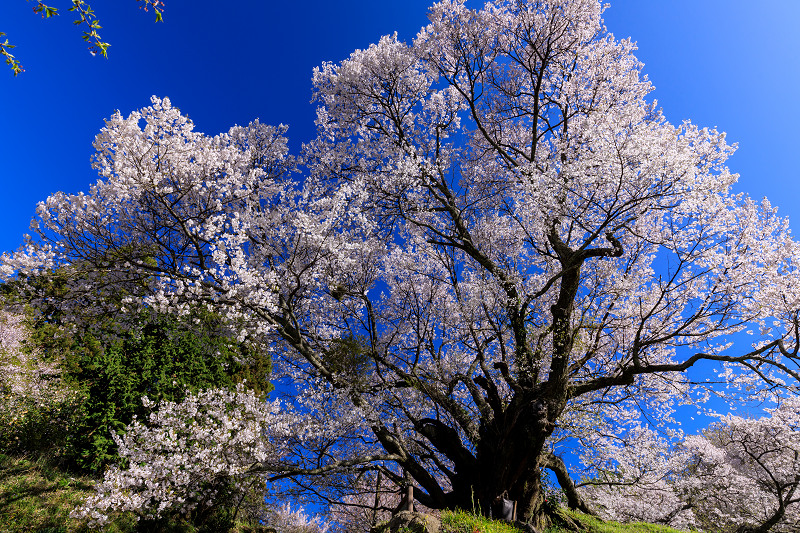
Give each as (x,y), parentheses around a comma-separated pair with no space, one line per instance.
(507,465)
(507,461)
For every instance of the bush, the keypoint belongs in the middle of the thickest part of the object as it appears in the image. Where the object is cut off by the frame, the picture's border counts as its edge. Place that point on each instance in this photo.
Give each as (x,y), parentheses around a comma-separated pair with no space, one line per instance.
(161,361)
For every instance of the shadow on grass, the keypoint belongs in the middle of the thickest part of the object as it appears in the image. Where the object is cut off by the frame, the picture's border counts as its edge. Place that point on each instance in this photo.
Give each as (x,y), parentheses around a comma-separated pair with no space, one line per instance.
(36,496)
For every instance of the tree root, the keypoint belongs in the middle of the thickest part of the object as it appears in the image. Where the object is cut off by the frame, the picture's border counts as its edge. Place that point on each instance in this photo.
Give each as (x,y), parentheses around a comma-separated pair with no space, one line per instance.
(553,518)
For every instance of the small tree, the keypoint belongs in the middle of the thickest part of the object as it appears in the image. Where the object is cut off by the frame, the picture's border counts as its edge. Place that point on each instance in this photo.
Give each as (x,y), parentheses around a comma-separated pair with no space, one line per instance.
(185,455)
(38,410)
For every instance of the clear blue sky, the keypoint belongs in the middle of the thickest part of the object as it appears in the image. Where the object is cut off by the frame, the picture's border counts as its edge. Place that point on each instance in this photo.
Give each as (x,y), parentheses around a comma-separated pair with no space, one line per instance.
(732,64)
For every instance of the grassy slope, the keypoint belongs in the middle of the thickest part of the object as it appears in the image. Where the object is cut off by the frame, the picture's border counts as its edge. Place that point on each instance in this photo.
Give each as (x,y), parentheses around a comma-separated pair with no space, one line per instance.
(36,496)
(598,526)
(460,522)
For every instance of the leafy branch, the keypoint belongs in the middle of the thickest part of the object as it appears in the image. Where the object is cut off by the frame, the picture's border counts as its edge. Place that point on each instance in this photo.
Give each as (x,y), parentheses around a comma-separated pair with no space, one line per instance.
(11,61)
(85,16)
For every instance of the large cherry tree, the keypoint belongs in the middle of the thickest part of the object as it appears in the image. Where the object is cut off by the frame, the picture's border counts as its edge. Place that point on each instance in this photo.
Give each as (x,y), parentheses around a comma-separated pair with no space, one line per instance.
(495,242)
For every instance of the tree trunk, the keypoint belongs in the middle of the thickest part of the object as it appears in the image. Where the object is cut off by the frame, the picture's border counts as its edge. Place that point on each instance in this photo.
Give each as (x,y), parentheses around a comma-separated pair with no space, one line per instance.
(574,499)
(508,465)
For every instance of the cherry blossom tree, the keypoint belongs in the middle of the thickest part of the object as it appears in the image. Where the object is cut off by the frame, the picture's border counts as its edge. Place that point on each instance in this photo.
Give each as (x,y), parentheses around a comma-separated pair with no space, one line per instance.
(179,460)
(24,373)
(372,501)
(738,476)
(496,242)
(36,405)
(637,478)
(744,473)
(287,520)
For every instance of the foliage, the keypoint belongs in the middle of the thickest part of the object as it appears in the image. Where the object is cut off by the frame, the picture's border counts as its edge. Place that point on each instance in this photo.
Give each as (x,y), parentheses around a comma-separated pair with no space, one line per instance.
(531,253)
(554,496)
(10,60)
(109,364)
(349,359)
(160,362)
(85,17)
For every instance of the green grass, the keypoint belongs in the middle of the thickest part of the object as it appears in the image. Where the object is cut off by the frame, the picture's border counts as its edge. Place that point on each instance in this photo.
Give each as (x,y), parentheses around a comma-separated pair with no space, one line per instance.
(35,496)
(462,522)
(598,526)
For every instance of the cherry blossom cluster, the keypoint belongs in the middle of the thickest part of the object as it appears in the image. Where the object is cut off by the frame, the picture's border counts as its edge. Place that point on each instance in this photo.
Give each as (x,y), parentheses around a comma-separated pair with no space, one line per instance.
(177,459)
(288,520)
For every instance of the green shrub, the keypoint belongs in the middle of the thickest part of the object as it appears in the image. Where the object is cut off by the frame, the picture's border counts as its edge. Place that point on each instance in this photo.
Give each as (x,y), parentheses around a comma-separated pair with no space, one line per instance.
(33,428)
(161,361)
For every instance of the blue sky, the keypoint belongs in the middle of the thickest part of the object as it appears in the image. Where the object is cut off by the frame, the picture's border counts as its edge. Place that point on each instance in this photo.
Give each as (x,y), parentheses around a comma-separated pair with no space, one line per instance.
(732,64)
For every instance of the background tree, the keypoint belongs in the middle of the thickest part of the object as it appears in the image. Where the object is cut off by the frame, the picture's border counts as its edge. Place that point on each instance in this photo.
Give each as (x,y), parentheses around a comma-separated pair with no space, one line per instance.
(521,238)
(85,17)
(744,473)
(161,361)
(636,478)
(115,359)
(738,476)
